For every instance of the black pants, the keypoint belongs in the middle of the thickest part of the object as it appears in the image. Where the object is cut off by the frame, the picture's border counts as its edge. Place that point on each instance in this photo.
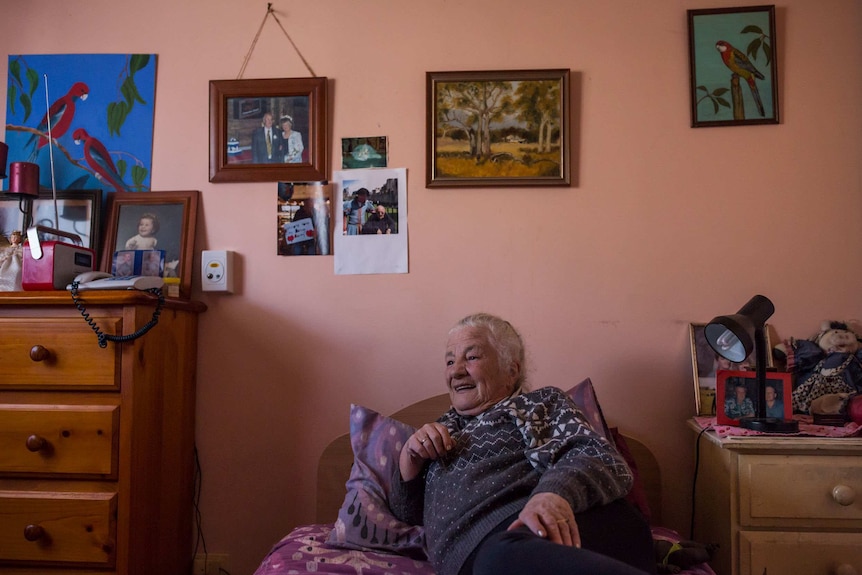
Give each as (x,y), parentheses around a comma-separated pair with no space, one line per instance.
(615,540)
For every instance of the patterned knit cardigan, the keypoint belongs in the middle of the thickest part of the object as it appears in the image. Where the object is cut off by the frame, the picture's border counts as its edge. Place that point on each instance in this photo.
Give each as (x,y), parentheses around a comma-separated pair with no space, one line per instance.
(531,443)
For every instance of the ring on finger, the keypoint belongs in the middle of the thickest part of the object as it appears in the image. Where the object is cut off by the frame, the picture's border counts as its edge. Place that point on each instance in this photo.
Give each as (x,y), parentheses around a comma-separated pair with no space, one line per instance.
(422,441)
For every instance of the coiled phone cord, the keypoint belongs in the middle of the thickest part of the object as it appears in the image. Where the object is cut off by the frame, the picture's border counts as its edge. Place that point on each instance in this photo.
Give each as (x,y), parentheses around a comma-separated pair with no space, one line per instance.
(104,338)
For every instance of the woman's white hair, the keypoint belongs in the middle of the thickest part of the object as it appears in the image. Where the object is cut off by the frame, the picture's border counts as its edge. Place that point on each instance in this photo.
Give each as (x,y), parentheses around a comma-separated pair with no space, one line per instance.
(505,339)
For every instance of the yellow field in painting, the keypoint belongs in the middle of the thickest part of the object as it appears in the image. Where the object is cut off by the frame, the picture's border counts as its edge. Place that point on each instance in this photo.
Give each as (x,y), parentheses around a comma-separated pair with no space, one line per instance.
(525,161)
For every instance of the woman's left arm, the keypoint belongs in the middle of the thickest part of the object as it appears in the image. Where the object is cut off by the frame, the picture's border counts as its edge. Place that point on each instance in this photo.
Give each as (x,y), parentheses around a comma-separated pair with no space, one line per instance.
(576,462)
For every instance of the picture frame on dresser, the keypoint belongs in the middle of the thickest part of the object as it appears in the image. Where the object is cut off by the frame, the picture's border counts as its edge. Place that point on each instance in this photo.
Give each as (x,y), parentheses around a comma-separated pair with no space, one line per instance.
(175,217)
(78,212)
(498,128)
(739,387)
(238,115)
(705,364)
(733,66)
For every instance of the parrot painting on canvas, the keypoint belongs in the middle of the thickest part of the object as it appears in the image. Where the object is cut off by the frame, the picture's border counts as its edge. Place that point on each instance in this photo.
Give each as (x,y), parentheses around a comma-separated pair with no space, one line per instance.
(61,113)
(99,159)
(739,64)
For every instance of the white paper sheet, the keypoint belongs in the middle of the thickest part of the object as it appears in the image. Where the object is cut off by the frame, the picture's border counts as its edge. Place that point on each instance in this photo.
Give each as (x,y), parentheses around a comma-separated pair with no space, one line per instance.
(371,253)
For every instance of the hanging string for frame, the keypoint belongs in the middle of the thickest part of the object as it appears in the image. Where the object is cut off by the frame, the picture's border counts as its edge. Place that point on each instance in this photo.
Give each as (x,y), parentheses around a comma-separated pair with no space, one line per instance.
(271,12)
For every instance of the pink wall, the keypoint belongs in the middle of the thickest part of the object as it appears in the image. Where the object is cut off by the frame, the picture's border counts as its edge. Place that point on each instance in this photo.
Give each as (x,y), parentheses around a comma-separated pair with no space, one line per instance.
(664,225)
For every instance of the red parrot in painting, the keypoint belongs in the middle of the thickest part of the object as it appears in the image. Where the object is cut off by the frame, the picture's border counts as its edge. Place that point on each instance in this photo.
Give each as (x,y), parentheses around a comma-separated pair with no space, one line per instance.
(739,64)
(61,112)
(99,160)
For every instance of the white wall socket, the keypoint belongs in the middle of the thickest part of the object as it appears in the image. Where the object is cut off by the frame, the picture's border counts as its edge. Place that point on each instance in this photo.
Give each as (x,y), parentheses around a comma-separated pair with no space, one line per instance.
(217,271)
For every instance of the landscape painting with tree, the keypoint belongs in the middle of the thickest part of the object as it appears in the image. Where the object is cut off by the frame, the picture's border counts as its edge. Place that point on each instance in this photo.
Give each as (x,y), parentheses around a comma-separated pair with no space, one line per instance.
(503,128)
(734,80)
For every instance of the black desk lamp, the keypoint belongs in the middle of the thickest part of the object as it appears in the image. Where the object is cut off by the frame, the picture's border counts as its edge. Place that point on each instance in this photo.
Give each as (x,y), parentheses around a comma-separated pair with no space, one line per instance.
(733,337)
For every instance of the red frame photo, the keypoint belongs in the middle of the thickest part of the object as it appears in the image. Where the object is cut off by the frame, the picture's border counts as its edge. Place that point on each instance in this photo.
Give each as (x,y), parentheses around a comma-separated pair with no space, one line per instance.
(727,380)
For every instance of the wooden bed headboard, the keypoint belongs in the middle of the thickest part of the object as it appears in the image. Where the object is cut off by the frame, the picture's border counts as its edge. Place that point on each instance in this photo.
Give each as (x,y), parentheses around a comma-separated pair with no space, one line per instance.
(337,460)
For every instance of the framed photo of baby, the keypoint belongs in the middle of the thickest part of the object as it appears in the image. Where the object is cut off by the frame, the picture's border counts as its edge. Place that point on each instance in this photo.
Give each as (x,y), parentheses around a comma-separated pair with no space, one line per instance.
(162,221)
(737,396)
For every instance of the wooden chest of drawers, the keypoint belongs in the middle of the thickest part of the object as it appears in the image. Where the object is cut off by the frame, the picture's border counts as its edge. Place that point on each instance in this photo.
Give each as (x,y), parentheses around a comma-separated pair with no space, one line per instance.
(781,505)
(96,444)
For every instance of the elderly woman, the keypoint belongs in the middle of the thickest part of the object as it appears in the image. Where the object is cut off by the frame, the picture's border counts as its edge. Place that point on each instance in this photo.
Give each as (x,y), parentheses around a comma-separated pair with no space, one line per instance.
(515,481)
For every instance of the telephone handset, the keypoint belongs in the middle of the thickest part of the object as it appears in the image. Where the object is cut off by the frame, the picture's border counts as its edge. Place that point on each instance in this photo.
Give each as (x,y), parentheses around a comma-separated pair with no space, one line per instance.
(102,280)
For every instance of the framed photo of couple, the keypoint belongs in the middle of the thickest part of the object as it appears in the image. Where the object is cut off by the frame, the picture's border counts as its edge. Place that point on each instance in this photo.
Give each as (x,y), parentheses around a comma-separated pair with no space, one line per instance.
(737,396)
(268,130)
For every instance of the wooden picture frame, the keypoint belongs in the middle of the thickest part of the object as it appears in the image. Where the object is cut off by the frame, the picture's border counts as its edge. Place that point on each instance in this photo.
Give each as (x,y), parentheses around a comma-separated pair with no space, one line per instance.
(176,214)
(238,110)
(705,364)
(731,49)
(78,211)
(498,128)
(727,383)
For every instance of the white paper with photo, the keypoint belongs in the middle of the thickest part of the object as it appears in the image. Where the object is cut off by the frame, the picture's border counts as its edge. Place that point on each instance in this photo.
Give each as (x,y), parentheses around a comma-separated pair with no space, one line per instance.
(370,252)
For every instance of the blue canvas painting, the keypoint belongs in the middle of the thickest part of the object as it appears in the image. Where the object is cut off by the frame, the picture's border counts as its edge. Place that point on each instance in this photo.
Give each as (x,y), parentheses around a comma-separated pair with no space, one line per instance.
(101,118)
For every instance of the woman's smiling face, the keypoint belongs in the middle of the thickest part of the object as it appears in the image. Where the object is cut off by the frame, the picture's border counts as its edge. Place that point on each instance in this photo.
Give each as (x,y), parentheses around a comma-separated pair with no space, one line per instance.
(474,376)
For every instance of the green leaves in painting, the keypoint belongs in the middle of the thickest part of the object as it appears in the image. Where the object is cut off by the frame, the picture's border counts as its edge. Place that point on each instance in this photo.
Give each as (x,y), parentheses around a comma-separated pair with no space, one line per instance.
(118,111)
(716,97)
(760,42)
(18,91)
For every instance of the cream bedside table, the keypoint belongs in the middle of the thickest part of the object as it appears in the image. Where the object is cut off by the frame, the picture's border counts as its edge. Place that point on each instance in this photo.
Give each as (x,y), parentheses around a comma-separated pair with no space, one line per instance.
(780,505)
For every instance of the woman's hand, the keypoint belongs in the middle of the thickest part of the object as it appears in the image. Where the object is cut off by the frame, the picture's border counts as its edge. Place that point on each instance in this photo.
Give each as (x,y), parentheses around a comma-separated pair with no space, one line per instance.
(431,441)
(550,516)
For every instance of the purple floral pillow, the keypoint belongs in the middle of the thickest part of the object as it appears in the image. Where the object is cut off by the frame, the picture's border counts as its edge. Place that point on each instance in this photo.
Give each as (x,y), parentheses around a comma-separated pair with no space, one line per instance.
(364,520)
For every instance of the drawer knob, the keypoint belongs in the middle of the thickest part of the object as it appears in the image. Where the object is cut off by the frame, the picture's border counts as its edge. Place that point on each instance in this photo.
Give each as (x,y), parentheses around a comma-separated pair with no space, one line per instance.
(843,495)
(34,533)
(36,443)
(39,353)
(845,569)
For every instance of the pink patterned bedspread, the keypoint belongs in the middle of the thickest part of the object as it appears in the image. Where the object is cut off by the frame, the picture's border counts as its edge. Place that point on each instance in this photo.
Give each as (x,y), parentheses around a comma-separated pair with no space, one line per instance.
(303,551)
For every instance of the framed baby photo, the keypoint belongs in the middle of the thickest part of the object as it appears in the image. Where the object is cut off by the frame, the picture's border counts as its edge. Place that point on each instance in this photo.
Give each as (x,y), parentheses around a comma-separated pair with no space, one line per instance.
(160,221)
(269,130)
(734,71)
(737,396)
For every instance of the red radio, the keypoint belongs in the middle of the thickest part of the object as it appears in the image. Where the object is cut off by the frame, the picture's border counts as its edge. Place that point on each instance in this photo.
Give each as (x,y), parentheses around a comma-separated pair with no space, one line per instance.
(52,265)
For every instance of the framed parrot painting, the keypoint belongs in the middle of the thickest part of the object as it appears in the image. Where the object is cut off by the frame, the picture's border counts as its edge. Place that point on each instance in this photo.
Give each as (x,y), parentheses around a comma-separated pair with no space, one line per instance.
(98,111)
(734,71)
